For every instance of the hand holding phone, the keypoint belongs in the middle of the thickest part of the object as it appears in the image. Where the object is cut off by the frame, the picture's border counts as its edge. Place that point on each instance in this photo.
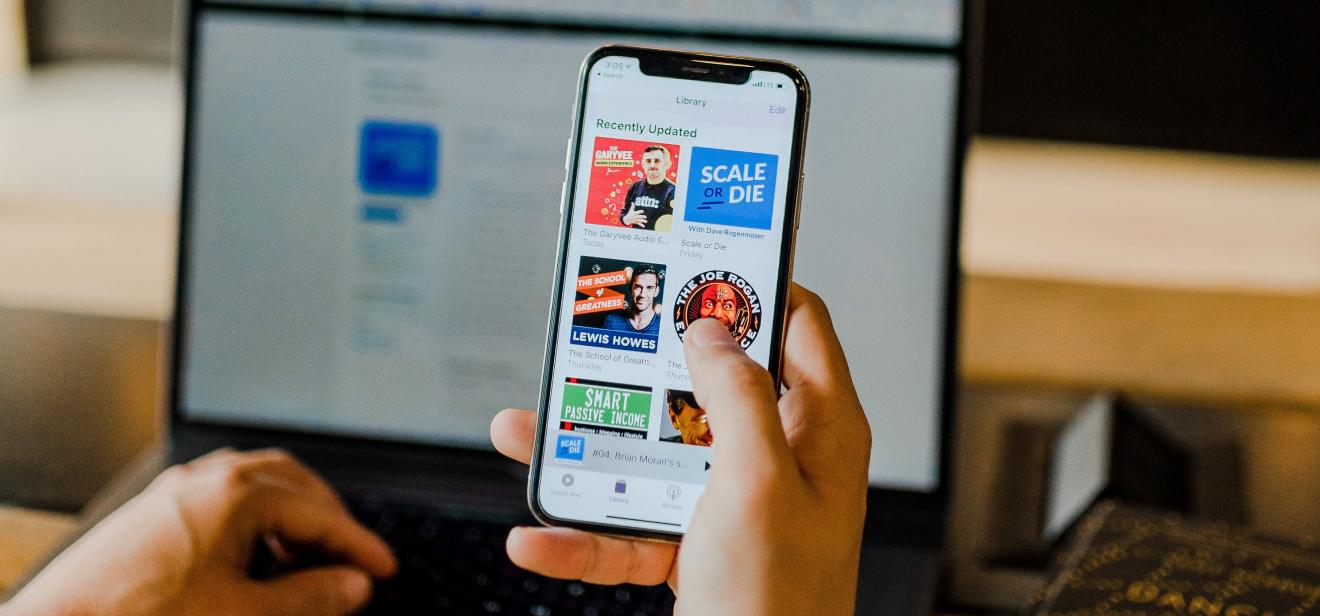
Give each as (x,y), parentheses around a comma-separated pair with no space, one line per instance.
(681,204)
(779,528)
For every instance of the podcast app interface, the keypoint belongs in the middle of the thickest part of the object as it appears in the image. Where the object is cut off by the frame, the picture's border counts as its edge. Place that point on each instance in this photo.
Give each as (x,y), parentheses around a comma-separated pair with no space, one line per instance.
(676,215)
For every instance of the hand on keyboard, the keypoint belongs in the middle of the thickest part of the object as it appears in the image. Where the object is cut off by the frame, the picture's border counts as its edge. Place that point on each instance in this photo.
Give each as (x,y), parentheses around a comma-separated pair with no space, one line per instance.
(184,547)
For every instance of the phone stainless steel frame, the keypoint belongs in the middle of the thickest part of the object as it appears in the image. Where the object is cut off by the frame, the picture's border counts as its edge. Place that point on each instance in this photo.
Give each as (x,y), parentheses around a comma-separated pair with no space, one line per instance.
(667,62)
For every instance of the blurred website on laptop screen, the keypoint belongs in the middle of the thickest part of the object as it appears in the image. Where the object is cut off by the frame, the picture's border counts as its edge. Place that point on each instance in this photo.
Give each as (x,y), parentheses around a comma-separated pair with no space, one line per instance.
(372,204)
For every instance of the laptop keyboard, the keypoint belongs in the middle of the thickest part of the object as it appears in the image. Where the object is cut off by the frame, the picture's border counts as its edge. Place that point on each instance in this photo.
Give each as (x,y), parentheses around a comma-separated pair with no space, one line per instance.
(449,565)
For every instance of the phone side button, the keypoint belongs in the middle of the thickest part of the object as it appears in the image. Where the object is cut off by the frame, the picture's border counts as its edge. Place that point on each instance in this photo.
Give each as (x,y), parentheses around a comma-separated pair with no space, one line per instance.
(563,192)
(797,217)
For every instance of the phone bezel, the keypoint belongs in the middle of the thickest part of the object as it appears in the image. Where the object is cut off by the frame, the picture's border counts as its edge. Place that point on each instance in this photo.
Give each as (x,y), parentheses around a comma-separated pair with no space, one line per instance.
(669,60)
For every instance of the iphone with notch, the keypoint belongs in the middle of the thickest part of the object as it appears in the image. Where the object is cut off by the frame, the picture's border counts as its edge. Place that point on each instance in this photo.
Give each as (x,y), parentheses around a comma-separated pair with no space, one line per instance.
(681,203)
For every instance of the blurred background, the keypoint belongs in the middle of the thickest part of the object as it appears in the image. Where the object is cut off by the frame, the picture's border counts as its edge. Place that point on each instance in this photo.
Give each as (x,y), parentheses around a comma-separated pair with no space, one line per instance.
(1141,215)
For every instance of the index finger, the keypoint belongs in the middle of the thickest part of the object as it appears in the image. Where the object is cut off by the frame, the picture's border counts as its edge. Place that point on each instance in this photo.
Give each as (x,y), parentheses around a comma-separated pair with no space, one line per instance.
(812,353)
(513,431)
(294,517)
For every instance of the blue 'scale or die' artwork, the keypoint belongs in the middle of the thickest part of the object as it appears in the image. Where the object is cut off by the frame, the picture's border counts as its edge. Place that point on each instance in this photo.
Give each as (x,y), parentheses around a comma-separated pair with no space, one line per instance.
(728,187)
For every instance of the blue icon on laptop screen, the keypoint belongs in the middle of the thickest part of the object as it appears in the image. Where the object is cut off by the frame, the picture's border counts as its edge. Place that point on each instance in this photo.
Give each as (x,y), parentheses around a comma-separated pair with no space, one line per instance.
(570,447)
(398,159)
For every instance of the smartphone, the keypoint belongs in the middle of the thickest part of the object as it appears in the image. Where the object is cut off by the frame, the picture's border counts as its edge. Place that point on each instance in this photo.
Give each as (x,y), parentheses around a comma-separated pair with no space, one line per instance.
(684,176)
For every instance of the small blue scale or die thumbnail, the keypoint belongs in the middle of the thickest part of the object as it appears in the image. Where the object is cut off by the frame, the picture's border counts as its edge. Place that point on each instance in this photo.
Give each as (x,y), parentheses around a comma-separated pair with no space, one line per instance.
(570,447)
(398,159)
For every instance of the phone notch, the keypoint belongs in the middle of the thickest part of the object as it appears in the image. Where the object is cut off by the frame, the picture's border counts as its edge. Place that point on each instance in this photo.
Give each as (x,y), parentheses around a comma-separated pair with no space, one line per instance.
(695,69)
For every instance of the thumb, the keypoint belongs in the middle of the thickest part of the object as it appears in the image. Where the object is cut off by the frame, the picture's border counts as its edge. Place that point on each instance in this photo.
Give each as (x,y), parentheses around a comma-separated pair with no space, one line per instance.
(740,399)
(329,591)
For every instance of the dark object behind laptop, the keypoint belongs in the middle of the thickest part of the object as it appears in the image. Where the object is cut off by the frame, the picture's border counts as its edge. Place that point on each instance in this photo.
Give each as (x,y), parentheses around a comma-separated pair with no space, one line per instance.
(1213,76)
(1148,466)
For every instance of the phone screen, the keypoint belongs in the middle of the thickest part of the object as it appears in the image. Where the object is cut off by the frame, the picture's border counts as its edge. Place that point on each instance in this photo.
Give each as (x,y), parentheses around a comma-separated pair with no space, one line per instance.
(678,208)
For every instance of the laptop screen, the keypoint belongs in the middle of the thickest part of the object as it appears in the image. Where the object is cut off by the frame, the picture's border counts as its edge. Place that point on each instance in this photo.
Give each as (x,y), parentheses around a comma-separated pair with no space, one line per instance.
(373,189)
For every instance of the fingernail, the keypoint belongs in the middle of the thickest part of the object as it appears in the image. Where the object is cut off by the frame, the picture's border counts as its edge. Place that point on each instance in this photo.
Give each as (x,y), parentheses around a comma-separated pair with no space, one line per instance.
(514,533)
(356,587)
(710,334)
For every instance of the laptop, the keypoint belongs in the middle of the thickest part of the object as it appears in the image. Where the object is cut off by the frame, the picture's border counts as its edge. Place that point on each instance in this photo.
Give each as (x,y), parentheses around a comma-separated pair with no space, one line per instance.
(374,328)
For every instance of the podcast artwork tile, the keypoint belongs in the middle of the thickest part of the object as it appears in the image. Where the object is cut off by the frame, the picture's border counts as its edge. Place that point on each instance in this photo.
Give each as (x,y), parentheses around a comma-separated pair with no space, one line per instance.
(633,184)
